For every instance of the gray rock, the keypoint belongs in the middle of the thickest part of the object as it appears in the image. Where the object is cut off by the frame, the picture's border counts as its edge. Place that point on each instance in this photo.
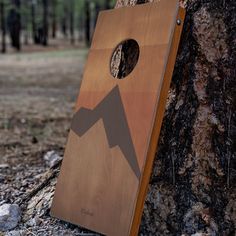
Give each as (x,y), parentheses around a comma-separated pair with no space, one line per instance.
(16,233)
(2,178)
(33,222)
(52,158)
(10,215)
(4,166)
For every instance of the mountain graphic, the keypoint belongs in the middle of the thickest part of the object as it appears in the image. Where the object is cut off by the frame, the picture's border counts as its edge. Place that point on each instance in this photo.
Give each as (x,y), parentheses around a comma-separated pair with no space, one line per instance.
(111,111)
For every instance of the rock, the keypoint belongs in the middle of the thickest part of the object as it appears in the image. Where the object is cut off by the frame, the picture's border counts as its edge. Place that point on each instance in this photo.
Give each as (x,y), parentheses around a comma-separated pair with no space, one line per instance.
(4,166)
(2,178)
(33,222)
(1,203)
(10,215)
(16,233)
(52,158)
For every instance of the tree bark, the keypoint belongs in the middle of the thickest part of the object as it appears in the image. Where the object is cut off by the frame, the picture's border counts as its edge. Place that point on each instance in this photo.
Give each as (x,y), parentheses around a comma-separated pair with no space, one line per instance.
(72,16)
(14,24)
(107,4)
(25,19)
(3,26)
(45,23)
(54,18)
(192,189)
(81,30)
(97,9)
(64,20)
(33,23)
(87,22)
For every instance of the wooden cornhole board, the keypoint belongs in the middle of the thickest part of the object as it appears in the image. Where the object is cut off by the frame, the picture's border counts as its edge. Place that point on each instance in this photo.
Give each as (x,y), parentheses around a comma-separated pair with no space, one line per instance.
(114,133)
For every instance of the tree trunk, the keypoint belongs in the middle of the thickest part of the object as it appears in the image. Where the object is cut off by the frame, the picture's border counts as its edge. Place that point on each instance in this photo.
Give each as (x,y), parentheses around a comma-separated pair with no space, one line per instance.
(87,22)
(192,189)
(25,19)
(45,23)
(107,4)
(3,26)
(72,16)
(64,19)
(96,13)
(54,18)
(81,28)
(14,24)
(33,23)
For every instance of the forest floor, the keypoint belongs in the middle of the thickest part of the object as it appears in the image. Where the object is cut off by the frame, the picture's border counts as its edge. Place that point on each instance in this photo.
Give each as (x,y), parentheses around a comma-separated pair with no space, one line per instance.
(58,44)
(37,97)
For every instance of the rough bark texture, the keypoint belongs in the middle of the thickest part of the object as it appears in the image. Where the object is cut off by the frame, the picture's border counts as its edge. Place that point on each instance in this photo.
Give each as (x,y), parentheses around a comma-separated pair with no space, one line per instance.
(192,189)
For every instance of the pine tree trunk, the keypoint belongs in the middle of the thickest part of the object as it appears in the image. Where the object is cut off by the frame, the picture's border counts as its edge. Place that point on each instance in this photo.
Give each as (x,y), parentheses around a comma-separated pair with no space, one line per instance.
(72,36)
(87,22)
(192,189)
(3,26)
(64,19)
(33,23)
(25,22)
(54,18)
(14,24)
(45,23)
(107,4)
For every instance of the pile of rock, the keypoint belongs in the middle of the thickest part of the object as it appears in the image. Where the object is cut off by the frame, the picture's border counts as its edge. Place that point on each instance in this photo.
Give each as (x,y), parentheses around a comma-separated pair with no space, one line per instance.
(10,216)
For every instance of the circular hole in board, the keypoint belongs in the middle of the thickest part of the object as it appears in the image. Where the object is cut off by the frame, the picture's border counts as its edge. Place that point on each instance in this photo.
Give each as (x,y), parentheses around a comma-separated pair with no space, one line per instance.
(124,58)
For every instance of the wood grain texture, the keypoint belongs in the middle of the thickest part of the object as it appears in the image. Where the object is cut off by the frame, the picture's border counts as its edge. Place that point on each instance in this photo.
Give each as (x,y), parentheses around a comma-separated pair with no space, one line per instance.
(157,125)
(99,186)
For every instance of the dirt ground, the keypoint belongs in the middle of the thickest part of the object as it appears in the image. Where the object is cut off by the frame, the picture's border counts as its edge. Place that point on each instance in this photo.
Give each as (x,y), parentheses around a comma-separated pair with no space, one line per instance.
(37,97)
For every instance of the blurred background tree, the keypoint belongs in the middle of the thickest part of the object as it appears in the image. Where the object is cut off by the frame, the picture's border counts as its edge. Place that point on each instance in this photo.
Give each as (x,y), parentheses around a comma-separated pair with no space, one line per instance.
(48,22)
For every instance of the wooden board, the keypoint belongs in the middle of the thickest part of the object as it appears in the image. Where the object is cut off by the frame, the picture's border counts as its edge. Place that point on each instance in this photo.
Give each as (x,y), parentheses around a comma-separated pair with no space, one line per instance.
(115,129)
